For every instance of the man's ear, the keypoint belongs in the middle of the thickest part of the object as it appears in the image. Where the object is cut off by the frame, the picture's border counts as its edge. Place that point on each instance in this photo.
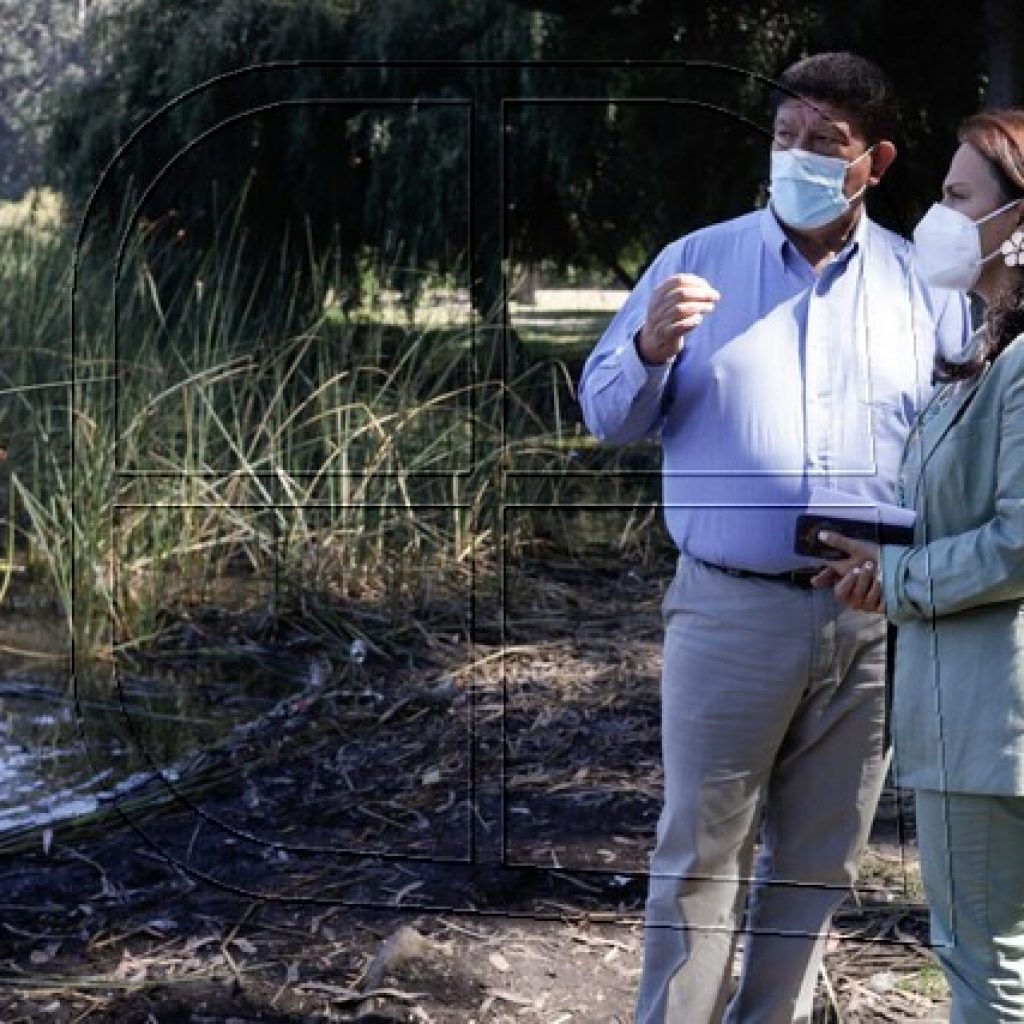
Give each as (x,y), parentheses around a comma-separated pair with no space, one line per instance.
(881,160)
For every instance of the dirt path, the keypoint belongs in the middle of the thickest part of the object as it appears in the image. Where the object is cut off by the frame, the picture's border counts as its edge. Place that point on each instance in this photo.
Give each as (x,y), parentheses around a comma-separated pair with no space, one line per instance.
(114,934)
(368,855)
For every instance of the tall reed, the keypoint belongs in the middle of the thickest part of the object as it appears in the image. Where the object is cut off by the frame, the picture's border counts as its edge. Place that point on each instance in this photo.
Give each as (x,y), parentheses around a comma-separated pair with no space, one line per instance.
(204,424)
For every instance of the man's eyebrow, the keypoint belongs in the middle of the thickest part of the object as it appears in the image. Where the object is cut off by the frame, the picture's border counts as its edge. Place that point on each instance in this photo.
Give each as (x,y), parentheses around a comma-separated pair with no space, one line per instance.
(833,128)
(821,126)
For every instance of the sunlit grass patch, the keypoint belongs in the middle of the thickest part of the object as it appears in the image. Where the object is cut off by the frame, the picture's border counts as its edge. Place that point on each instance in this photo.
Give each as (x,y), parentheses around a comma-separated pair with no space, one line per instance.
(928,982)
(38,209)
(898,876)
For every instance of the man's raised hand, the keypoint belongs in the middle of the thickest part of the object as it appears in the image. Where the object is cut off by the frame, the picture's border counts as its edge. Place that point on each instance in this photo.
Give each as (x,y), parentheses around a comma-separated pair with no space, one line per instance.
(677,306)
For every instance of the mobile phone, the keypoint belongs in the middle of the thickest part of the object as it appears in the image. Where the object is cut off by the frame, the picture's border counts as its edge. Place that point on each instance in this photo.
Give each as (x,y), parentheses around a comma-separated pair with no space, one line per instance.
(809,525)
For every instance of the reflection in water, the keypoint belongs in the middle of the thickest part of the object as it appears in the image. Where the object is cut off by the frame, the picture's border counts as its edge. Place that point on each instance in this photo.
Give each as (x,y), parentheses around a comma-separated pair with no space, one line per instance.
(69,746)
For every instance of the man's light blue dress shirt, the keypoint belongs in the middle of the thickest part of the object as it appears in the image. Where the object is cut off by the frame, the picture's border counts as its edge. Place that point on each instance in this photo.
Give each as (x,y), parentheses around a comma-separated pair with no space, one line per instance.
(795,380)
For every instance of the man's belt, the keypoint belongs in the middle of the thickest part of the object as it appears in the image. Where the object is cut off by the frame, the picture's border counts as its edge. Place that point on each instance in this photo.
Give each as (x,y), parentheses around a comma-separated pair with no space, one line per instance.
(795,578)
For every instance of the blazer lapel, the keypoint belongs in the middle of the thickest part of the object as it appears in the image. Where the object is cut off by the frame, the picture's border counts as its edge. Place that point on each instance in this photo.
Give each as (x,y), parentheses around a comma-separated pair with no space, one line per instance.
(951,412)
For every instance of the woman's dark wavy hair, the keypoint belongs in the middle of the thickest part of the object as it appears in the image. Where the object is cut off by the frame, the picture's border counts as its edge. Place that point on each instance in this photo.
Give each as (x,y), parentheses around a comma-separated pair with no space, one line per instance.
(998,135)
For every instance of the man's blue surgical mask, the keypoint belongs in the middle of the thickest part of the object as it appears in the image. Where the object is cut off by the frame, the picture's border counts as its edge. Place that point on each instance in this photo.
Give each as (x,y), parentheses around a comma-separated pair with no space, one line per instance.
(807,188)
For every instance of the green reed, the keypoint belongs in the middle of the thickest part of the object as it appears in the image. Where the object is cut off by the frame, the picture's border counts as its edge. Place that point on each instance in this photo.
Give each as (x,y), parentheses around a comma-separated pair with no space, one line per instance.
(217,424)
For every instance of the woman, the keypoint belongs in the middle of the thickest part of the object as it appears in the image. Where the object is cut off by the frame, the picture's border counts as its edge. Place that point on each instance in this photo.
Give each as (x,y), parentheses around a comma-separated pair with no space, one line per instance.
(957,593)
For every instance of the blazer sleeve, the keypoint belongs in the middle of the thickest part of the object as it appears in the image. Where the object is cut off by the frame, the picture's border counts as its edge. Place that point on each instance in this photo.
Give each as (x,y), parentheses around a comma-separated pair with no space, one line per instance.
(982,566)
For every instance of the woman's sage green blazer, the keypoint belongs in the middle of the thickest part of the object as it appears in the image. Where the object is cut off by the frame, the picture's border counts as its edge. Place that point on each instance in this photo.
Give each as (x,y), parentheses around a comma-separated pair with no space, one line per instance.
(957,594)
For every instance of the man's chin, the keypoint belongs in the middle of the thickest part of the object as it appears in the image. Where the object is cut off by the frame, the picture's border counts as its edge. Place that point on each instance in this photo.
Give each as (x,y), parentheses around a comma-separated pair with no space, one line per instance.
(820,232)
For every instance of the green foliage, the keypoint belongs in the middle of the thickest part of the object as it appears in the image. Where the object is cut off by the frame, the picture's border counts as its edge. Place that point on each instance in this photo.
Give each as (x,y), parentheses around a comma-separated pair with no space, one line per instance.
(152,55)
(594,183)
(41,50)
(321,166)
(658,148)
(661,173)
(414,166)
(337,454)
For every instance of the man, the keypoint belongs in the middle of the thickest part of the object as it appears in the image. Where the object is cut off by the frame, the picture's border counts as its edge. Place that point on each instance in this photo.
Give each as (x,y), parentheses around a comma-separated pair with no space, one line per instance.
(784,349)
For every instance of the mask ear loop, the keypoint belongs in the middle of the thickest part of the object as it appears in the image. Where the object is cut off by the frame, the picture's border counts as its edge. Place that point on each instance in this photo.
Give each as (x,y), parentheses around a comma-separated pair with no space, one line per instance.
(867,152)
(995,213)
(1009,247)
(856,159)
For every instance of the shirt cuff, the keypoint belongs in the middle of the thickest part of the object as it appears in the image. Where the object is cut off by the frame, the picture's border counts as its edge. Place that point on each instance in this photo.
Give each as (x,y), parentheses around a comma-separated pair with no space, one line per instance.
(640,375)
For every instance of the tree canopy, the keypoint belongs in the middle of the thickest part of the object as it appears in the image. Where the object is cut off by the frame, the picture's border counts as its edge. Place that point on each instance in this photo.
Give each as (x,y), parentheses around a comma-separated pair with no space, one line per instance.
(534,130)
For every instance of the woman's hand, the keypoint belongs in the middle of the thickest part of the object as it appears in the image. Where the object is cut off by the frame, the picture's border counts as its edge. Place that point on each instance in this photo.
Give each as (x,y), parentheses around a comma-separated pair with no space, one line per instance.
(854,579)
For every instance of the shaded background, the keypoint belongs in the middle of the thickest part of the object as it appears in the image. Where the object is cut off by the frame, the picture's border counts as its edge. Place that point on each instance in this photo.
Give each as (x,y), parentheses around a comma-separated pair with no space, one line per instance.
(599,190)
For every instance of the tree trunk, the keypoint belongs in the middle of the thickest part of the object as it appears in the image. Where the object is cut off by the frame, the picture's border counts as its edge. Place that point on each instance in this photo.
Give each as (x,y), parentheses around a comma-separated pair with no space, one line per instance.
(1004,34)
(503,351)
(526,282)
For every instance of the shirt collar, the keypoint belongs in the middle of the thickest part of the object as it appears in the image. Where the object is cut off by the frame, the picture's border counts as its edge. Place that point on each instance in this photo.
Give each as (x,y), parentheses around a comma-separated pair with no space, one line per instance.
(776,240)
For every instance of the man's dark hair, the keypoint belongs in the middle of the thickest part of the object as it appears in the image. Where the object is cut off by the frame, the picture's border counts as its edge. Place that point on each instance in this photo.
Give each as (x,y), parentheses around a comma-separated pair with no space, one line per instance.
(848,81)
